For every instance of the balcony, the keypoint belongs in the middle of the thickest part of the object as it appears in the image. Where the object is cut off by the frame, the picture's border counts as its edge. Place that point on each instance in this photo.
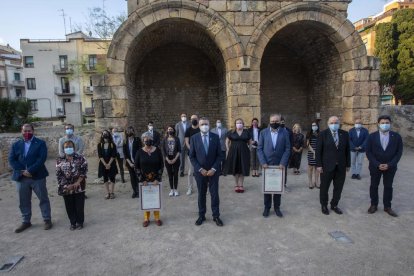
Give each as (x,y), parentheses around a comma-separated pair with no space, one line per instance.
(88,90)
(64,92)
(62,70)
(18,83)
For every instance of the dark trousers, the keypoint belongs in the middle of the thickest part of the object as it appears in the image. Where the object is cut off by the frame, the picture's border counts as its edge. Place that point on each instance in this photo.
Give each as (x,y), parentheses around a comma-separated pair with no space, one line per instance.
(134,179)
(183,156)
(75,205)
(337,176)
(223,162)
(388,178)
(268,201)
(120,165)
(172,171)
(210,182)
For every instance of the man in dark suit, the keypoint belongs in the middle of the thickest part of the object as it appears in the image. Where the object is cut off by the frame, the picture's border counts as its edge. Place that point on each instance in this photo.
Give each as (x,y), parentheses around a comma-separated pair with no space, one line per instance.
(27,157)
(273,150)
(130,148)
(206,156)
(180,129)
(332,161)
(358,137)
(221,131)
(156,136)
(384,150)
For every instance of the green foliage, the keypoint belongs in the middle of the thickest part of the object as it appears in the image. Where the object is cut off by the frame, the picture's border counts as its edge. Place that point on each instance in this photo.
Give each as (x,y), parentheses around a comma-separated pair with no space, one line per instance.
(13,113)
(395,47)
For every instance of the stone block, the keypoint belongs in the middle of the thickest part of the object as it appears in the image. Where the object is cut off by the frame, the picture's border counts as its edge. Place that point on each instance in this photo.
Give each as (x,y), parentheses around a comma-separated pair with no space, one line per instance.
(360,102)
(114,79)
(218,5)
(188,14)
(98,80)
(215,26)
(234,5)
(102,93)
(237,89)
(357,75)
(244,30)
(244,19)
(256,5)
(229,16)
(119,92)
(272,6)
(250,76)
(162,14)
(374,101)
(115,108)
(248,100)
(115,66)
(98,108)
(102,124)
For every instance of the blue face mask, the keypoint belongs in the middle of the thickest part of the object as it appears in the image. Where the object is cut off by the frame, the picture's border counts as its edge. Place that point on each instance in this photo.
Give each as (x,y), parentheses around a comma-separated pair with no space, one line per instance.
(69,131)
(314,128)
(69,151)
(334,127)
(384,127)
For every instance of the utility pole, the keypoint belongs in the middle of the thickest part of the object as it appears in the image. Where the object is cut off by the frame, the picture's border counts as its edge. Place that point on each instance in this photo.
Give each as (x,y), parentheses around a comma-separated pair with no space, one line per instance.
(64,18)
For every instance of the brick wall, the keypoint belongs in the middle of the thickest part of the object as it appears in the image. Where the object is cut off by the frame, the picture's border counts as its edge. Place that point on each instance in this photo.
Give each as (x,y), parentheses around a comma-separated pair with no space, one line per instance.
(172,79)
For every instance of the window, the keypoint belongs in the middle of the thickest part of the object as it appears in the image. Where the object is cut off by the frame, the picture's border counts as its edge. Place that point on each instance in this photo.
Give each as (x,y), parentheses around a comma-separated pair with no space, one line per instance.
(19,93)
(17,76)
(33,104)
(31,83)
(93,60)
(28,62)
(63,62)
(64,82)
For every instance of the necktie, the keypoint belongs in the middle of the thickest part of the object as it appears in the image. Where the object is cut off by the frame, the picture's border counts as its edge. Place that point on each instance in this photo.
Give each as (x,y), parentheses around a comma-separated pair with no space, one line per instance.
(335,138)
(205,143)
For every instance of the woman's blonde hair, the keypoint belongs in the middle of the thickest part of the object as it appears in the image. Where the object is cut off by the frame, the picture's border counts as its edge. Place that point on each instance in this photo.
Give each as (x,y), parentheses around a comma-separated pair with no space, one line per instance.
(297,126)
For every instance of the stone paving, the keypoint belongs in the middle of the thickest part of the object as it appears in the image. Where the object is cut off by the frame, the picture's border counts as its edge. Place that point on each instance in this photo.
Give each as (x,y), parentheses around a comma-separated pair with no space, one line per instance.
(113,241)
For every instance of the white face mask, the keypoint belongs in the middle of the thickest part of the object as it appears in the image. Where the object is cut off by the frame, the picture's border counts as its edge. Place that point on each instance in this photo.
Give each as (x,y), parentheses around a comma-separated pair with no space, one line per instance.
(218,125)
(358,126)
(314,128)
(239,126)
(150,128)
(184,119)
(204,128)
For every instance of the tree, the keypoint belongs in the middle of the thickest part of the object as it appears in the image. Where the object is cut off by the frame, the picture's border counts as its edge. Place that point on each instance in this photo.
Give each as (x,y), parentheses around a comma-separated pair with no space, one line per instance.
(101,25)
(395,47)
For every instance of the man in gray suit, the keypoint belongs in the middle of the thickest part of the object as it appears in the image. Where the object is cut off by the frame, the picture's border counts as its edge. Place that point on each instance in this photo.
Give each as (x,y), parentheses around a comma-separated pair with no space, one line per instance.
(180,129)
(221,131)
(273,150)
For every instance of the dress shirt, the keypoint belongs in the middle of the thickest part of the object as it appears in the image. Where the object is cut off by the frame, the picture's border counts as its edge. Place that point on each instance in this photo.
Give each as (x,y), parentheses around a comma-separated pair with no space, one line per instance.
(255,134)
(27,146)
(385,138)
(274,134)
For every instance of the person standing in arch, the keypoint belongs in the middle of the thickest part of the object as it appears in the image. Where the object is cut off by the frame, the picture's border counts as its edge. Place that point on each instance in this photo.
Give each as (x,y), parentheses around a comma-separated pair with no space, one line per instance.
(119,142)
(156,136)
(180,129)
(254,131)
(333,160)
(283,125)
(107,167)
(311,140)
(194,129)
(358,137)
(221,131)
(130,147)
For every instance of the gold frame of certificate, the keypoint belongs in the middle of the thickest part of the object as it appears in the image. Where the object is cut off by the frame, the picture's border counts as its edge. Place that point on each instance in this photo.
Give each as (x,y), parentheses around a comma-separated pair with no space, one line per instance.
(273,180)
(150,196)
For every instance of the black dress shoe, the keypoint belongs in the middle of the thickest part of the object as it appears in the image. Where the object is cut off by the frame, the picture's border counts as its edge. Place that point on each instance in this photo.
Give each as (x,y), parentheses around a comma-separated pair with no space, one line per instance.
(134,195)
(218,221)
(181,174)
(22,227)
(200,221)
(325,210)
(336,210)
(372,209)
(85,196)
(278,213)
(48,225)
(266,213)
(353,176)
(72,227)
(390,212)
(358,177)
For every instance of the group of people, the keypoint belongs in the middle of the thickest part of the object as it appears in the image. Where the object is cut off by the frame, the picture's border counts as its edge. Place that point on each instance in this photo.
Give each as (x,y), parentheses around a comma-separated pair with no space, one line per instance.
(210,152)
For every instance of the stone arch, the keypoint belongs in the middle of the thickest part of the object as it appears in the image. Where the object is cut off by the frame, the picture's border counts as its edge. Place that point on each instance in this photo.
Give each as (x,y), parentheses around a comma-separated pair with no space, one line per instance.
(126,50)
(358,73)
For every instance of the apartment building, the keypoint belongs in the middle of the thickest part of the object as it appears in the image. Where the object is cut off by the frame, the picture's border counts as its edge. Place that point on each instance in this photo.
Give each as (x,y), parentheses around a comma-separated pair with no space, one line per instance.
(12,84)
(59,71)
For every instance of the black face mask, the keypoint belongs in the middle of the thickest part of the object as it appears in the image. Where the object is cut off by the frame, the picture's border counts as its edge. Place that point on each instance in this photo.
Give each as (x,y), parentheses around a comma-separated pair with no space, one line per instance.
(194,122)
(275,125)
(171,132)
(282,125)
(148,143)
(105,136)
(130,134)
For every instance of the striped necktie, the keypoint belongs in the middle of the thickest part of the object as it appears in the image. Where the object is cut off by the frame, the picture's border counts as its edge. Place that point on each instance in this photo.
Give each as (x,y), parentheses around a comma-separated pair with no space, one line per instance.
(335,138)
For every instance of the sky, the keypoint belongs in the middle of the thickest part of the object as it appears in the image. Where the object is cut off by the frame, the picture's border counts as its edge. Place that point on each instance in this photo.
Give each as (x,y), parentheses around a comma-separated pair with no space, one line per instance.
(42,19)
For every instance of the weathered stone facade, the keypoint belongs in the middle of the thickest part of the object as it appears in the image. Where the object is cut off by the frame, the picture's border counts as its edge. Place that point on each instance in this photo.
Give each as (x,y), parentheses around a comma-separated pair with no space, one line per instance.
(231,59)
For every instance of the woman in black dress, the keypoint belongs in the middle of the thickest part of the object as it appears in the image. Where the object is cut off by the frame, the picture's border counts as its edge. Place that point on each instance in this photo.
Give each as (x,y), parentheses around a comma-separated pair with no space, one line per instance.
(297,148)
(149,166)
(171,149)
(311,139)
(238,156)
(107,167)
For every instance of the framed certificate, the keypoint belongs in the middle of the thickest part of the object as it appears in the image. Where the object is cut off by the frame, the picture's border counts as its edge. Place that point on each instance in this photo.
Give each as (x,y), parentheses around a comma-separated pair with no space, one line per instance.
(150,196)
(273,180)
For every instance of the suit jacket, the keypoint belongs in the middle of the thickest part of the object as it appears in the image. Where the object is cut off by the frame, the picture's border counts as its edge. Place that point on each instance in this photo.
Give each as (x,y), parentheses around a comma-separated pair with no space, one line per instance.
(180,132)
(274,156)
(34,161)
(222,138)
(361,141)
(198,157)
(377,155)
(328,155)
(136,144)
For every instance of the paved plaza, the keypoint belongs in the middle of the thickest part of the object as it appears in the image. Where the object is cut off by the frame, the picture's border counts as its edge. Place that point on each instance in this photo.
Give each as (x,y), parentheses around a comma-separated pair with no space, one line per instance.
(114,242)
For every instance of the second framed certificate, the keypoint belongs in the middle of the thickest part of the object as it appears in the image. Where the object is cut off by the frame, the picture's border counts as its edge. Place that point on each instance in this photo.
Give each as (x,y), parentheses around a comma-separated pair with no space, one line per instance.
(150,197)
(273,179)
